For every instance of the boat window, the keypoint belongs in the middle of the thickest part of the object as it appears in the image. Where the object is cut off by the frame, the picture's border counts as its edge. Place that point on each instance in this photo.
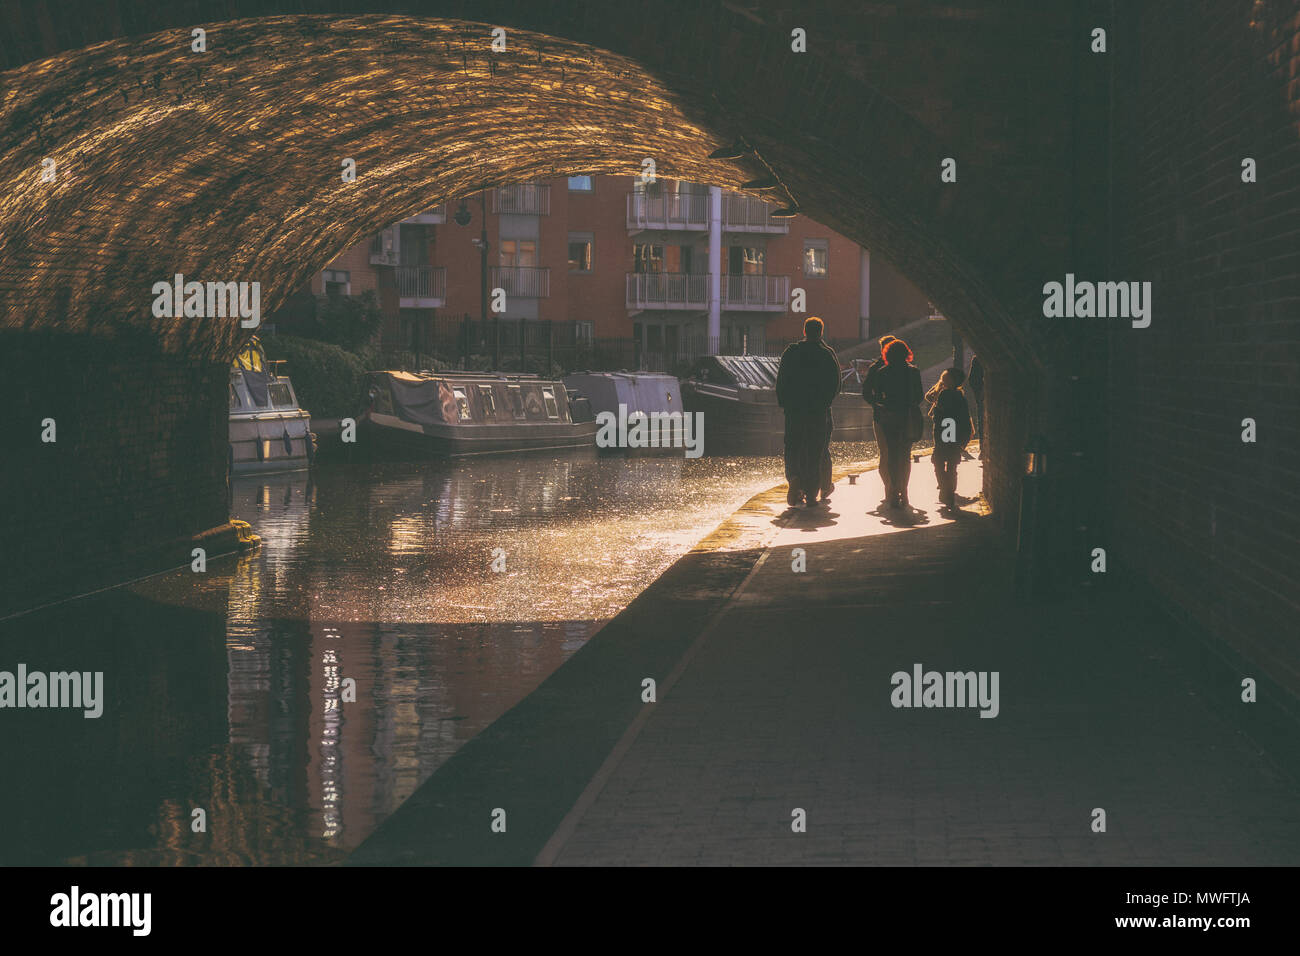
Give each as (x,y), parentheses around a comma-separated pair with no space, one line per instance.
(279,393)
(516,400)
(234,397)
(552,409)
(489,401)
(462,404)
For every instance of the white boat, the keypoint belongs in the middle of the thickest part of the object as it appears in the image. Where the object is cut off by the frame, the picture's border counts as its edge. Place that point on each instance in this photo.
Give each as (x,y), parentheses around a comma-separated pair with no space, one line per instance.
(269,433)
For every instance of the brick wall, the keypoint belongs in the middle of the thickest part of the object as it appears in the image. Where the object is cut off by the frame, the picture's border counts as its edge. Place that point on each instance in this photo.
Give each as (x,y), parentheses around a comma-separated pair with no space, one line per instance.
(139,465)
(1209,520)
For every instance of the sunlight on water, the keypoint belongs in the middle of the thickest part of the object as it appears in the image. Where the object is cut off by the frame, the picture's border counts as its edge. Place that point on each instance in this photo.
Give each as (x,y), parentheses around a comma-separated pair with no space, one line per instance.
(226,688)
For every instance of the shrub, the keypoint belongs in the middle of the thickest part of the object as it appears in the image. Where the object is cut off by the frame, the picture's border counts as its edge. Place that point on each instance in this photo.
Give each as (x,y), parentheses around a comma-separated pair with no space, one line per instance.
(327,379)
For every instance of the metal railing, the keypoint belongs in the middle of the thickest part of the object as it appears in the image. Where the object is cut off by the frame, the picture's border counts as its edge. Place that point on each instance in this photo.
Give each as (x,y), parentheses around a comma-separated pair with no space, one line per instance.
(527,281)
(668,211)
(563,345)
(667,290)
(523,199)
(421,282)
(763,293)
(742,213)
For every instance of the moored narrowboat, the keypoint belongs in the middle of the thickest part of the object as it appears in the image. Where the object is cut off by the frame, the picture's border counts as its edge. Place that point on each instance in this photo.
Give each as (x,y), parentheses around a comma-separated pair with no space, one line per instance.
(268,431)
(627,394)
(460,414)
(737,394)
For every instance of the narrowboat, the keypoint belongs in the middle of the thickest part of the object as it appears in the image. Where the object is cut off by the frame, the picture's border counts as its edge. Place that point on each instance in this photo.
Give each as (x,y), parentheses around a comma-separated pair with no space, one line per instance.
(460,414)
(737,394)
(269,432)
(626,394)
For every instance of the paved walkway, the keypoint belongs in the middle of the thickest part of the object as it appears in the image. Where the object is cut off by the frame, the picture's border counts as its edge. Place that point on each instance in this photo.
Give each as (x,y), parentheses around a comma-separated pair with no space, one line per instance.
(784,703)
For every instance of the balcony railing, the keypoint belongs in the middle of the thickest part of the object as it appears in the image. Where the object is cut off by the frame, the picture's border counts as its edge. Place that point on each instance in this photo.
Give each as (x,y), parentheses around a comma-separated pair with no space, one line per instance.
(526,281)
(421,287)
(668,211)
(524,199)
(745,214)
(667,290)
(755,293)
(430,217)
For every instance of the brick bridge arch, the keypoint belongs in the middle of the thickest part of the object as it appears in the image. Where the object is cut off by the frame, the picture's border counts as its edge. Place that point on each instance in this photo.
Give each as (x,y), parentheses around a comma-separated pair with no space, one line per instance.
(225,165)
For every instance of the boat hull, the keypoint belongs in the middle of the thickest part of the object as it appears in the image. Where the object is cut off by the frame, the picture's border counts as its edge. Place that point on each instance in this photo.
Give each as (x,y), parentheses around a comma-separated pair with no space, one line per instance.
(469,440)
(269,443)
(748,421)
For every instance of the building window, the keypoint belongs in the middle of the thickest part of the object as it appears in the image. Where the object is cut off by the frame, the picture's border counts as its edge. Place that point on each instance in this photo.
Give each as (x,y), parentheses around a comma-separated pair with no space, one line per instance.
(647,257)
(337,282)
(746,261)
(580,184)
(518,253)
(584,333)
(580,248)
(814,258)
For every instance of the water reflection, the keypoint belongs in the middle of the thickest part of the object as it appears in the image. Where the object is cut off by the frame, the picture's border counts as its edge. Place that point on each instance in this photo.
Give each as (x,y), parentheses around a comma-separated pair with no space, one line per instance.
(229,691)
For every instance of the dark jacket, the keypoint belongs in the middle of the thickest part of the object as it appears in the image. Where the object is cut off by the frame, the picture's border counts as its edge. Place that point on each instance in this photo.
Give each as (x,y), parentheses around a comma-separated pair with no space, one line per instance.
(951,403)
(809,377)
(896,388)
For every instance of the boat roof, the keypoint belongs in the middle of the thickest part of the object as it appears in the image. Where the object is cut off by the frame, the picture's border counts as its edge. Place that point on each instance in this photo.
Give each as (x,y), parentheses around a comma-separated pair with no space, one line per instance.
(461,376)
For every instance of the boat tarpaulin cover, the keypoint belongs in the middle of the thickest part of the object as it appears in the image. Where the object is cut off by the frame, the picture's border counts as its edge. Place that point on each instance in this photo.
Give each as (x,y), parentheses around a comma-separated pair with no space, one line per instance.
(422,400)
(757,371)
(638,391)
(256,383)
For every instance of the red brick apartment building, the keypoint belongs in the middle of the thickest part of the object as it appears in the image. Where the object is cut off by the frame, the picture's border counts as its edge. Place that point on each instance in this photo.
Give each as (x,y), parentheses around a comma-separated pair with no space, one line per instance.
(607,258)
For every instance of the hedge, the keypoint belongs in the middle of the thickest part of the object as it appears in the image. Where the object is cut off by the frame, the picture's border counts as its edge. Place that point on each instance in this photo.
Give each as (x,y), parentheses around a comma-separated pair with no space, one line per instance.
(327,379)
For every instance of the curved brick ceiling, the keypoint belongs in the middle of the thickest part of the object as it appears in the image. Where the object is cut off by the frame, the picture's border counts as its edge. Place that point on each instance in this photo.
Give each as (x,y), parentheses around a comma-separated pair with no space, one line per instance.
(225,165)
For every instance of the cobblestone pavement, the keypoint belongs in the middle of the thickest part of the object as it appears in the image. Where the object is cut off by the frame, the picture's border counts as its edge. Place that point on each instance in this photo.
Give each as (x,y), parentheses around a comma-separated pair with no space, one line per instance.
(785,704)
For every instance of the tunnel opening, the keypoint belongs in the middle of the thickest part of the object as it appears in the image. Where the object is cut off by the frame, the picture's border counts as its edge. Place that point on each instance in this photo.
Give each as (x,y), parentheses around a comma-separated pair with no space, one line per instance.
(297,137)
(1126,164)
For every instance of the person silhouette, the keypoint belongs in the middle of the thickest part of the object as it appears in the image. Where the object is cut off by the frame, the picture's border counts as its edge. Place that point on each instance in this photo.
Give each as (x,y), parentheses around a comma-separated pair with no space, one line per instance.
(896,397)
(807,382)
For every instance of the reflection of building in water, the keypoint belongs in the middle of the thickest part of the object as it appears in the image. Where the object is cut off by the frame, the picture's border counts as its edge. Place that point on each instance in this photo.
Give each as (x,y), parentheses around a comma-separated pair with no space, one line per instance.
(422,692)
(279,509)
(473,495)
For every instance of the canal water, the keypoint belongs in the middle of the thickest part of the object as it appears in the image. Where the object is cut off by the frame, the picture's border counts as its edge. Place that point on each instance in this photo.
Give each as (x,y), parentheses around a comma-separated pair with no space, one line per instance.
(439,594)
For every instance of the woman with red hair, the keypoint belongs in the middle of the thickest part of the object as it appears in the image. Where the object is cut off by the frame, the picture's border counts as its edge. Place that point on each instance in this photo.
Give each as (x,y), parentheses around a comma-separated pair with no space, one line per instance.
(894,391)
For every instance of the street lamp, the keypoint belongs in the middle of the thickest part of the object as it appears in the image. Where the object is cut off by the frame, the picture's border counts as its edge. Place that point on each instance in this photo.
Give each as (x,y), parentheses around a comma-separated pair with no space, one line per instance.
(463,218)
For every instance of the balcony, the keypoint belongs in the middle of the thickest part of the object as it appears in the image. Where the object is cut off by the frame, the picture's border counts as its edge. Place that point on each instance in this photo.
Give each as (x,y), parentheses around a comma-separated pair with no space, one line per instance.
(421,287)
(525,199)
(670,211)
(745,214)
(667,290)
(525,281)
(436,216)
(755,293)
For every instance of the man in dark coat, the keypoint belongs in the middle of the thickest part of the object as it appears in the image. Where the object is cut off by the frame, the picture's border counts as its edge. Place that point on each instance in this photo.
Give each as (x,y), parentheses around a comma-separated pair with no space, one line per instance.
(806,385)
